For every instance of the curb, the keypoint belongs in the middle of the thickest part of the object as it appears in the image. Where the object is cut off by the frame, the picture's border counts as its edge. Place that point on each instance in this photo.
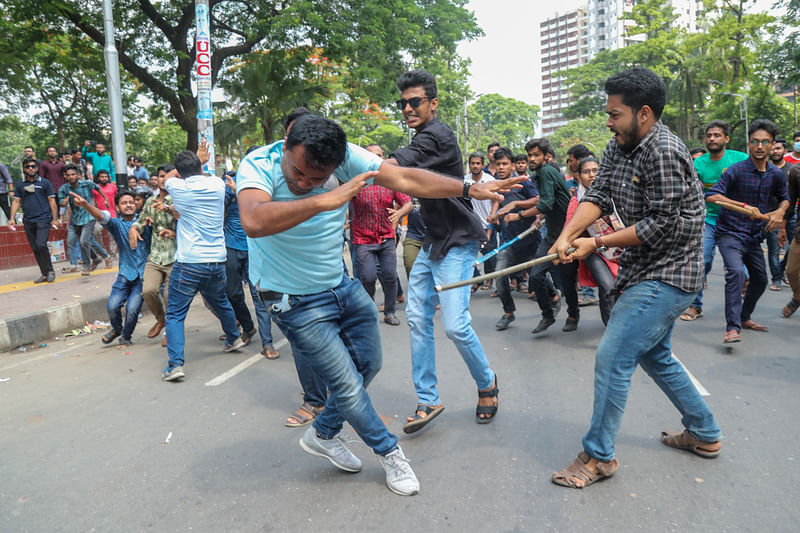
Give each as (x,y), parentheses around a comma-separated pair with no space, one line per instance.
(42,325)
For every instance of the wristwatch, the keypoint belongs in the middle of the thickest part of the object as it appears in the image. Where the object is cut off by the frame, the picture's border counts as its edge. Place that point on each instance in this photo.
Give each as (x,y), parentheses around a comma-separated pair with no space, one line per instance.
(465,192)
(598,241)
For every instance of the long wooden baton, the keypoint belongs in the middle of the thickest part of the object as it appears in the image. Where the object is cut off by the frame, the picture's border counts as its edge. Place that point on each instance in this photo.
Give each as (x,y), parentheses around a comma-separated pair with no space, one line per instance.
(535,226)
(740,209)
(498,273)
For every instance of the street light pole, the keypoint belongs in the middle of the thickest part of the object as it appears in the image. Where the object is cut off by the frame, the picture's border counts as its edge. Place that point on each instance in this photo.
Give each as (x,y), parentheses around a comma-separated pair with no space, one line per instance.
(114,96)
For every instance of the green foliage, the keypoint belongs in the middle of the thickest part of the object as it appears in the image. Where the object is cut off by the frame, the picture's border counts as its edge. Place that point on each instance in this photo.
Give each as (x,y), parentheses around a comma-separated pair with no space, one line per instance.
(155,40)
(505,120)
(14,136)
(590,131)
(728,54)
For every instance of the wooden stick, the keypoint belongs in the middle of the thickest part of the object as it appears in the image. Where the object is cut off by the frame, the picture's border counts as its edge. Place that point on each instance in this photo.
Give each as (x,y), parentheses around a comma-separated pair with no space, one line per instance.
(498,273)
(740,209)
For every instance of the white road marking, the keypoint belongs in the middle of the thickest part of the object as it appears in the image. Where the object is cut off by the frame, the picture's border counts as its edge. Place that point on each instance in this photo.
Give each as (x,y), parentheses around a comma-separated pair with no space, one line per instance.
(697,385)
(225,376)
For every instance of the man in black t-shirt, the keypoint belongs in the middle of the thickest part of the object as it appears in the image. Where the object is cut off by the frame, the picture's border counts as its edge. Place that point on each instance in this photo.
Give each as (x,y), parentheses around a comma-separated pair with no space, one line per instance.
(450,248)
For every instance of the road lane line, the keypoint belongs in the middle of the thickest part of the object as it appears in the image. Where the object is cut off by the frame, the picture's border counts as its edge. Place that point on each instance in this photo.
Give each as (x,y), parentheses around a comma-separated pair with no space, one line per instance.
(697,385)
(225,376)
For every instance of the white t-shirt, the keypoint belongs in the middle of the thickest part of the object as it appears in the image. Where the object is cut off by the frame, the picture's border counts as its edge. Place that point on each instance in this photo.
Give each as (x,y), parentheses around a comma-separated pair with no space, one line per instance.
(483,208)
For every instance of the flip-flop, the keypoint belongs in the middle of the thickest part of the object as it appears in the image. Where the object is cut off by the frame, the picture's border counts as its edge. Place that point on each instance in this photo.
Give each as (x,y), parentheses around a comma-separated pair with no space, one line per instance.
(755,326)
(731,336)
(420,422)
(270,352)
(790,308)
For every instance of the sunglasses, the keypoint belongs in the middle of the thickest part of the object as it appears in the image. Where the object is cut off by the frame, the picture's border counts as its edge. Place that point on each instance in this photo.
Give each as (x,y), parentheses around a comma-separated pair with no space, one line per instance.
(30,166)
(413,102)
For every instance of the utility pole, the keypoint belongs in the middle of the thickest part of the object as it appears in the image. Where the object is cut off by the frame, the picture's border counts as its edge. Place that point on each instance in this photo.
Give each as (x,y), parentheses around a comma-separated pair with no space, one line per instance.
(114,96)
(205,113)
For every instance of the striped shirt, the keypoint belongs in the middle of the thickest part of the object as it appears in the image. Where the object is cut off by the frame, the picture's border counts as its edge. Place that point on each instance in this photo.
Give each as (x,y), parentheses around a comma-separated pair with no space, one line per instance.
(656,189)
(371,224)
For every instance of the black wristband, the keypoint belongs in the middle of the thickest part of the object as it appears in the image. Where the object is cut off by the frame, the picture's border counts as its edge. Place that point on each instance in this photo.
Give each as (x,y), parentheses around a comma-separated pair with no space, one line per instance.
(465,192)
(520,211)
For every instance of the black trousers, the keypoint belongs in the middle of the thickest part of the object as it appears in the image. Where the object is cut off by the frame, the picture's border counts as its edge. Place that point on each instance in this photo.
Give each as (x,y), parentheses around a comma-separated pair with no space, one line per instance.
(37,233)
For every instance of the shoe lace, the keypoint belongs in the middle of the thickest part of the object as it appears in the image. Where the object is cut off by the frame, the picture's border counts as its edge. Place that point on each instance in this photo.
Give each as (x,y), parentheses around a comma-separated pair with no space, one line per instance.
(399,463)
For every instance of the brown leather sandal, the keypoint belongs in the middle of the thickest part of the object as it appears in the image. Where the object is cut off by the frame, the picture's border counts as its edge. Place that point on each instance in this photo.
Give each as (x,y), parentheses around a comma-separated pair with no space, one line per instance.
(304,415)
(577,475)
(684,441)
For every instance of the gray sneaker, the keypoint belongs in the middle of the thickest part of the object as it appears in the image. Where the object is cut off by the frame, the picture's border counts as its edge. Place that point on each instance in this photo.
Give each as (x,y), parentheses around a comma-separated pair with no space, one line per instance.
(399,476)
(237,344)
(173,374)
(333,450)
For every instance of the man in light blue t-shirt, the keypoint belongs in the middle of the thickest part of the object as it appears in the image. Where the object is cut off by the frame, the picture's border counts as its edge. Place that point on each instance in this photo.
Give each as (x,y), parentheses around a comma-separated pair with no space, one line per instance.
(295,227)
(199,265)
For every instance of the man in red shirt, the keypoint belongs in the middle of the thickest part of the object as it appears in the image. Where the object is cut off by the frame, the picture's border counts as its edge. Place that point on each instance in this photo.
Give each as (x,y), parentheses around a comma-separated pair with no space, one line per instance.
(375,216)
(51,168)
(793,157)
(110,190)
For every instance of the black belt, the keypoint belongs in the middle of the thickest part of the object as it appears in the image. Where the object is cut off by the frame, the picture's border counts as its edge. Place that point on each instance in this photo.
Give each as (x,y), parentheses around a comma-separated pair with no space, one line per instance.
(270,295)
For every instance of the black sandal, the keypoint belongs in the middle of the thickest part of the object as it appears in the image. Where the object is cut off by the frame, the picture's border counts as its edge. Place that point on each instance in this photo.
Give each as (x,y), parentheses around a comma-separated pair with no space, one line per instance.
(110,336)
(490,410)
(420,422)
(790,308)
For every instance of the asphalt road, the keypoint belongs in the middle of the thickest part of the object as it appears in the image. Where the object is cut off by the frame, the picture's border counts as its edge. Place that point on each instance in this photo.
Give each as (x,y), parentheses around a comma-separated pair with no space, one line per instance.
(83,437)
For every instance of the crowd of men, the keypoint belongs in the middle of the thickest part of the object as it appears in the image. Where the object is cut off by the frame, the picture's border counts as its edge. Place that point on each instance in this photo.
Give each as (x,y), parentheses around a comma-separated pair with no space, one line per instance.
(640,224)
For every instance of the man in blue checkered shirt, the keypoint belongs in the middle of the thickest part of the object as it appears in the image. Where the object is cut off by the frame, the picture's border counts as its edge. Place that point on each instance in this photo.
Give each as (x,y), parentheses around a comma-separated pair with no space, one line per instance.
(751,183)
(647,176)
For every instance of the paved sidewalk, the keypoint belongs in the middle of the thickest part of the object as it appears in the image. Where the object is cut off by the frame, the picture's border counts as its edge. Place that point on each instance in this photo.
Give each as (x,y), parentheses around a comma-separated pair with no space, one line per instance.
(32,313)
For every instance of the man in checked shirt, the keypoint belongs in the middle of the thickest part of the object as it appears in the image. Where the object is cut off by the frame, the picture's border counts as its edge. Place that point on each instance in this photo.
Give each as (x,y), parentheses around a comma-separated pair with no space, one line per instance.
(648,175)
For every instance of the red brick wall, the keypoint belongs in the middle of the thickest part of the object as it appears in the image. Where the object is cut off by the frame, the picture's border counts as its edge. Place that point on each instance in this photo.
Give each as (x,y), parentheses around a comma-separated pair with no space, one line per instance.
(15,252)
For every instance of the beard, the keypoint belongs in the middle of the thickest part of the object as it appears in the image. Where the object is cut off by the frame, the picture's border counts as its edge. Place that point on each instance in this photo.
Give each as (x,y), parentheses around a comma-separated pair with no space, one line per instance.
(630,137)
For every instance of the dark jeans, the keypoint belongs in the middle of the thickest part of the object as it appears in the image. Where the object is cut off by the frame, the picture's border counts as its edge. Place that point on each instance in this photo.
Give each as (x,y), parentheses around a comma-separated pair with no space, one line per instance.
(4,205)
(602,276)
(236,271)
(773,254)
(128,293)
(489,265)
(790,225)
(37,233)
(737,255)
(367,255)
(538,277)
(513,255)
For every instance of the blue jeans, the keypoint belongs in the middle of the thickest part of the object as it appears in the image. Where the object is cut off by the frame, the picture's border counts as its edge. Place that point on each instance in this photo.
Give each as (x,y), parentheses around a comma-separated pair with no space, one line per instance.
(185,280)
(737,256)
(124,291)
(640,332)
(422,300)
(709,242)
(336,332)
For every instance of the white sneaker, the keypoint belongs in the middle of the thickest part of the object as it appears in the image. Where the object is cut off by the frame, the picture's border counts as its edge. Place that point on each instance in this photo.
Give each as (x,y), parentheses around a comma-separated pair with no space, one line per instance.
(237,344)
(399,477)
(333,450)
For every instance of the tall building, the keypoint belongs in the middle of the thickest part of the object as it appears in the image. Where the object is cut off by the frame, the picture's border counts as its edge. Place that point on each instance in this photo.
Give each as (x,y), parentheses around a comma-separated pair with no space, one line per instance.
(574,38)
(563,45)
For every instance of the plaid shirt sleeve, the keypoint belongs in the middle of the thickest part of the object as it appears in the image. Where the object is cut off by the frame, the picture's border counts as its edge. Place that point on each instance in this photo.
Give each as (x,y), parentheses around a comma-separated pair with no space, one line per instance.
(666,179)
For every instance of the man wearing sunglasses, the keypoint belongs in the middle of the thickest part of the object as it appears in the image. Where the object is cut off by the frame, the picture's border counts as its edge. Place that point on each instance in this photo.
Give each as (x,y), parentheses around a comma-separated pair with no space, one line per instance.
(449,250)
(37,198)
(749,184)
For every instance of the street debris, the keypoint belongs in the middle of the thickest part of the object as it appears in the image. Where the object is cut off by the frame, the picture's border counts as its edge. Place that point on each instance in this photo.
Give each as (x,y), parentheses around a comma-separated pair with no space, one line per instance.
(3,380)
(166,441)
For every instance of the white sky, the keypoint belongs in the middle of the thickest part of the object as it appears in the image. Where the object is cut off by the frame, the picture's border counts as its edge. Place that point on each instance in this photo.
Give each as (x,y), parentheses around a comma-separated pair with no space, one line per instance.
(506,59)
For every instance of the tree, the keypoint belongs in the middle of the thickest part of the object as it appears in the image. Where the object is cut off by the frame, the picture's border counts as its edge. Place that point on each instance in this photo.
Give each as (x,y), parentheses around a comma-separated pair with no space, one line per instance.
(155,39)
(590,131)
(505,120)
